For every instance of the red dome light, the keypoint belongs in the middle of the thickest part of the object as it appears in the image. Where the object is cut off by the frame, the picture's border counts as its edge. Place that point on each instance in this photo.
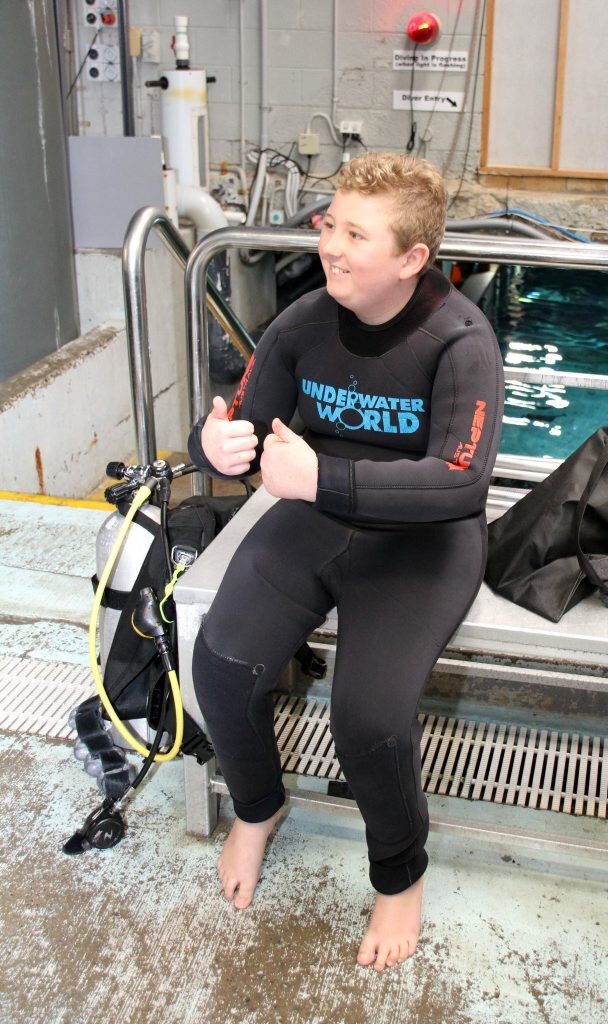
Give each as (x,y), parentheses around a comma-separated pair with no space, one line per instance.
(423,27)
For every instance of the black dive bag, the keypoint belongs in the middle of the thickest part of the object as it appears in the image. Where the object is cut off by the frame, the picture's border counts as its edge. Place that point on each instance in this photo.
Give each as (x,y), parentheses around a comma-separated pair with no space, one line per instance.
(550,549)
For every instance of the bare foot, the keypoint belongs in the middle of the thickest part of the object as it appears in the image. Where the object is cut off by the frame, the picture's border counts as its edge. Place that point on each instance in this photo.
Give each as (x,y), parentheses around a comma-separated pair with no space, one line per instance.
(393,930)
(240,863)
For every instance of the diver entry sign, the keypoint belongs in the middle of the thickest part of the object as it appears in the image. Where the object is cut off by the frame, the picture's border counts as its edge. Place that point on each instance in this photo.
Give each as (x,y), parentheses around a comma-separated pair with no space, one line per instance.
(427,99)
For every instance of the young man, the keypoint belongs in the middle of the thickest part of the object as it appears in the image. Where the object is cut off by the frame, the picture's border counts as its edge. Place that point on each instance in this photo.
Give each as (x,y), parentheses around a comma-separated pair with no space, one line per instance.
(398,381)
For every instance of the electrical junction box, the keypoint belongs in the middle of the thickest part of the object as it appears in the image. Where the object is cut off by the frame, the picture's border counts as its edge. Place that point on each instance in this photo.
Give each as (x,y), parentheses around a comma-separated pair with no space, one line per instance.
(150,46)
(99,13)
(308,144)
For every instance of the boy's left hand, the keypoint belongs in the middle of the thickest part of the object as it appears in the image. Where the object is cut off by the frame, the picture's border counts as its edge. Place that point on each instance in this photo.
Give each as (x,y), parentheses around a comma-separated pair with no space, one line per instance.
(289,465)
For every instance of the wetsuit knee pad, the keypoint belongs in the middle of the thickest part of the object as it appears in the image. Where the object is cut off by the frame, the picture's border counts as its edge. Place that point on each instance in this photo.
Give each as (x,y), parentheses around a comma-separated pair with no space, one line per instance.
(385,781)
(224,687)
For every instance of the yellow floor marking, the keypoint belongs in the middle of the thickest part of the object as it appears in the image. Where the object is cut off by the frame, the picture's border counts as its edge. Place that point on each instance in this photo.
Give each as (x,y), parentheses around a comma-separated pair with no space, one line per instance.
(48,499)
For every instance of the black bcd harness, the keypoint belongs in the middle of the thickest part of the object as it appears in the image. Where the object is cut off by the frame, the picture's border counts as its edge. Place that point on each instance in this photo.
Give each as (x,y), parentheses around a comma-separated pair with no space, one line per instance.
(134,677)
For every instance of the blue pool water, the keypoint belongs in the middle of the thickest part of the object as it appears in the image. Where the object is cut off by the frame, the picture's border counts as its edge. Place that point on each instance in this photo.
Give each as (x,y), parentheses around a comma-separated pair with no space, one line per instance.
(551,318)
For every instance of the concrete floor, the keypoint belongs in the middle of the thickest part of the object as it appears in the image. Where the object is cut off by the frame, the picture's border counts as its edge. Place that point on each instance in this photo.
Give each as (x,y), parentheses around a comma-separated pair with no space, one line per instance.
(512,934)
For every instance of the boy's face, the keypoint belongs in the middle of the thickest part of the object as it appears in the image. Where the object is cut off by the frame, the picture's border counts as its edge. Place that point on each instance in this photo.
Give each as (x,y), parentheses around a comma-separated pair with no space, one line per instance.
(359,255)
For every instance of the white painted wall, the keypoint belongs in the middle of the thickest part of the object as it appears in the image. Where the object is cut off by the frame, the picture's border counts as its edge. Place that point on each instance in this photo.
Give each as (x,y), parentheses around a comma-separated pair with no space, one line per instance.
(65,417)
(299,74)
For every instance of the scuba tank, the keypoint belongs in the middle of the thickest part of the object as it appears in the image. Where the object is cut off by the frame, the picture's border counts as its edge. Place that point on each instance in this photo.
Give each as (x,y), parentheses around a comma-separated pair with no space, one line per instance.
(99,745)
(126,568)
(133,605)
(141,550)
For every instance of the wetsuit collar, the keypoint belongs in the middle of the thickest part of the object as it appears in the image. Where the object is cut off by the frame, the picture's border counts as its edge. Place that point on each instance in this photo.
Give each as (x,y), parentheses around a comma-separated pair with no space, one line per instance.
(377,339)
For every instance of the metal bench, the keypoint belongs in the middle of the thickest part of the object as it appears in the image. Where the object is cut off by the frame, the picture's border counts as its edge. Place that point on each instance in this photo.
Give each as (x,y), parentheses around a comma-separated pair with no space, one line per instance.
(497,641)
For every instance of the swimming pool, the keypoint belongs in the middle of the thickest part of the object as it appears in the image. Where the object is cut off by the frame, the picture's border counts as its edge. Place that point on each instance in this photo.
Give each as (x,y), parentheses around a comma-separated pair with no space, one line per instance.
(549,318)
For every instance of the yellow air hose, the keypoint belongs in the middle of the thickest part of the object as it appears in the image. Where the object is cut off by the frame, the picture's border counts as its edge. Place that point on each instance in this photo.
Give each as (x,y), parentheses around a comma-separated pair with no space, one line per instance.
(141,496)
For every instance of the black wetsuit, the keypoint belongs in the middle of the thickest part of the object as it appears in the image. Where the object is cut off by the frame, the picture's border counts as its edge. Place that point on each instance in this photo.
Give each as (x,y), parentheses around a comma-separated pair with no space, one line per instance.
(405,418)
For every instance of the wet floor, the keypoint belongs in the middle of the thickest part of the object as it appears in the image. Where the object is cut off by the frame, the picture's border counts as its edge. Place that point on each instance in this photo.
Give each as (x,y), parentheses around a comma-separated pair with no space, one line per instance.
(513,933)
(143,928)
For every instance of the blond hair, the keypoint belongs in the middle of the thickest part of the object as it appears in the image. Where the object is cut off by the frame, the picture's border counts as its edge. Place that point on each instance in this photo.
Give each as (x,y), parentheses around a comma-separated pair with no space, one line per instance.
(417,189)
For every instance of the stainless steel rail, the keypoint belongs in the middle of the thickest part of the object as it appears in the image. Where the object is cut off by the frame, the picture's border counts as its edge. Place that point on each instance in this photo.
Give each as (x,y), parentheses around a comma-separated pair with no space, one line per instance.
(136,318)
(454,247)
(278,239)
(528,252)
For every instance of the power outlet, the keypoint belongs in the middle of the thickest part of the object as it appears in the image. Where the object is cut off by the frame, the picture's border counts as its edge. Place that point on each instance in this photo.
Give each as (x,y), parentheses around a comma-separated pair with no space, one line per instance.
(102,64)
(351,128)
(308,144)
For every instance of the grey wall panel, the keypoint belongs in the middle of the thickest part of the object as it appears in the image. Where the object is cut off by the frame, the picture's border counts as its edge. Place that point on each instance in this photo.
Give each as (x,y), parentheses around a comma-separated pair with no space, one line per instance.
(112,177)
(524,63)
(37,279)
(584,141)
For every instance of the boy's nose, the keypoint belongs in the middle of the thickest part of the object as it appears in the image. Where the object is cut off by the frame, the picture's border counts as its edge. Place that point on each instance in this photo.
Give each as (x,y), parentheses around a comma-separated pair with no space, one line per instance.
(332,245)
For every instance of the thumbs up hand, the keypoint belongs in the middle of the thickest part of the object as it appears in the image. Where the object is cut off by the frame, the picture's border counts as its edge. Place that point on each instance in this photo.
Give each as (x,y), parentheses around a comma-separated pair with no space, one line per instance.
(228,444)
(289,465)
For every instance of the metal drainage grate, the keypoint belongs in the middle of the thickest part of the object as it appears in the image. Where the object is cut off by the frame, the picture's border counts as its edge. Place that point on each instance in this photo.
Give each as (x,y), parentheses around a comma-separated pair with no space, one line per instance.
(506,764)
(37,696)
(503,764)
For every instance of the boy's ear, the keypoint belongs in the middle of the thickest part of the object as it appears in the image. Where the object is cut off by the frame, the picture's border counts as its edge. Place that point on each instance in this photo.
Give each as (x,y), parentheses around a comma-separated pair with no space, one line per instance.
(414,260)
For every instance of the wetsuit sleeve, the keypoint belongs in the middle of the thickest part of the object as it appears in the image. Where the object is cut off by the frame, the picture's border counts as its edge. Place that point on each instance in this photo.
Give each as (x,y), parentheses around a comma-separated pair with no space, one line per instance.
(452,479)
(267,389)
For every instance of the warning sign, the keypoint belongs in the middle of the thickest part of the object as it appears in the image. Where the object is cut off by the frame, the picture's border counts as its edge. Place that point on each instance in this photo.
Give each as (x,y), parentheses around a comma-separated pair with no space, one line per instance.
(434,60)
(422,99)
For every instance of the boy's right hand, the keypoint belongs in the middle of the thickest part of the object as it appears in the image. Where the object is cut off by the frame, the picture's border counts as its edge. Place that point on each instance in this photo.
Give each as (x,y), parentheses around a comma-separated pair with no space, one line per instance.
(230,445)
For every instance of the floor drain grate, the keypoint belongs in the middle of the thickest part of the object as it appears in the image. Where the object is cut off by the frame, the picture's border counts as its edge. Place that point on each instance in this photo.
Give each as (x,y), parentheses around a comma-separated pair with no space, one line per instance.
(37,696)
(504,764)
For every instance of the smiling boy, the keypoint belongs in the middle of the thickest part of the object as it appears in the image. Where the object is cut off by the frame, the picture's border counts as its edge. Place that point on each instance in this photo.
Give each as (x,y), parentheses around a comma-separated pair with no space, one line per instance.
(393,373)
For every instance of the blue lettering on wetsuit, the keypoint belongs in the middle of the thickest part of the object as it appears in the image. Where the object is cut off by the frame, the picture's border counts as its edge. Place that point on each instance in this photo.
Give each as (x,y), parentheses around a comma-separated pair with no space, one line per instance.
(350,409)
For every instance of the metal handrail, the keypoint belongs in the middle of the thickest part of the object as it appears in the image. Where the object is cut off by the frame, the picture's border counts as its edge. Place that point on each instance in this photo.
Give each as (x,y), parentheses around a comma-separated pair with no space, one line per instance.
(491,249)
(136,318)
(531,252)
(280,239)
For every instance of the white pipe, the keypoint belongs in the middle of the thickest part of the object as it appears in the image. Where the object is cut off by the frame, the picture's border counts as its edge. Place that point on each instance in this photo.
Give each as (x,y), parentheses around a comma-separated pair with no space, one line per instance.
(234,217)
(258,187)
(242,82)
(201,208)
(170,194)
(263,74)
(334,98)
(260,176)
(183,105)
(181,45)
